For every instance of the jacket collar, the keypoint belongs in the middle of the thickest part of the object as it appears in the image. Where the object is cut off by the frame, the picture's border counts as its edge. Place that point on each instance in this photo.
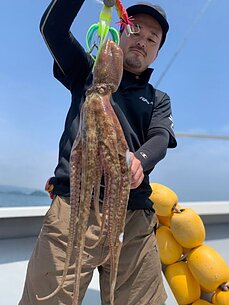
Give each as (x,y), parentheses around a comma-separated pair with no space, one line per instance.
(129,78)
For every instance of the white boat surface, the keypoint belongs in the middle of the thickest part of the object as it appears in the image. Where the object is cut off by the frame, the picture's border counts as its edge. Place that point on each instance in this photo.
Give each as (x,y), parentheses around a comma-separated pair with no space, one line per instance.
(20,226)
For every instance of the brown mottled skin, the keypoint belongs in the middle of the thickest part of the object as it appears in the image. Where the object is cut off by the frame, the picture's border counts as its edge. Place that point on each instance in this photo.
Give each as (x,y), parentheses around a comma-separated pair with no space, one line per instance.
(99,149)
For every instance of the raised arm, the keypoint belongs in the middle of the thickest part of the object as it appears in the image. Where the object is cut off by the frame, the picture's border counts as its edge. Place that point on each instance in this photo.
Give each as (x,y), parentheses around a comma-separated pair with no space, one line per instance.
(55,28)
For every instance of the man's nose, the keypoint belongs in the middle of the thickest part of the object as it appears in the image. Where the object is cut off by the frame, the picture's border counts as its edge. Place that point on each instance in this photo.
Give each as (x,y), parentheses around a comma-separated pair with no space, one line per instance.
(141,43)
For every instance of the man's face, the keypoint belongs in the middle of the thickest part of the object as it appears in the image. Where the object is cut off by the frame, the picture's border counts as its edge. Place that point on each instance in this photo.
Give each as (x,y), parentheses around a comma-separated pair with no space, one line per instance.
(140,49)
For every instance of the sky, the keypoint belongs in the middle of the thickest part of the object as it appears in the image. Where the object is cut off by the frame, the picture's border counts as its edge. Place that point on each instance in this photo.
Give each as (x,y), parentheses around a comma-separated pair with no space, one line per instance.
(192,67)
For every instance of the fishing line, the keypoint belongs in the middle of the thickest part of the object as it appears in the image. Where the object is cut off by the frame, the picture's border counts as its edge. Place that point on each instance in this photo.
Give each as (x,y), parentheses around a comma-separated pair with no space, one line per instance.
(180,47)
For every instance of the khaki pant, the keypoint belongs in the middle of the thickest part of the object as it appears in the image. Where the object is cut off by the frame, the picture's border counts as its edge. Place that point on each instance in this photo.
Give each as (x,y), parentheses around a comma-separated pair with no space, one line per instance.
(139,280)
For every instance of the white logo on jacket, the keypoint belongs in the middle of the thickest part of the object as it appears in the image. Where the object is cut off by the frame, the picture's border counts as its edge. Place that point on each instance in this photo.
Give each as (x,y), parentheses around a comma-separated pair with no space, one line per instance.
(143,155)
(171,119)
(145,100)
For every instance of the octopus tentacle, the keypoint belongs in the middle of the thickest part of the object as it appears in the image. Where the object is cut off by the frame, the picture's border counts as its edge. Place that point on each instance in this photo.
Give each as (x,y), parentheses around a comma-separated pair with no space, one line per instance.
(121,213)
(102,220)
(75,185)
(89,148)
(114,181)
(96,199)
(115,204)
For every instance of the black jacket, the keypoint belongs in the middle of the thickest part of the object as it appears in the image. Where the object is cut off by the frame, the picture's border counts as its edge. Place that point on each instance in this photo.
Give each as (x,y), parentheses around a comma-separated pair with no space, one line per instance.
(144,113)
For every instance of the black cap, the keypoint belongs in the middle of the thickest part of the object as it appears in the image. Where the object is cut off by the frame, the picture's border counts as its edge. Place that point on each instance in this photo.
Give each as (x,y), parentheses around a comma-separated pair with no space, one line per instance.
(153,10)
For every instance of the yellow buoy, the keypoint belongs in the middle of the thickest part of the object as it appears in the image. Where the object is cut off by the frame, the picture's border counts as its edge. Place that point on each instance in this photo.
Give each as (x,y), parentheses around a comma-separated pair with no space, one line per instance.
(163,198)
(186,250)
(187,228)
(169,249)
(164,220)
(201,302)
(208,267)
(182,283)
(221,296)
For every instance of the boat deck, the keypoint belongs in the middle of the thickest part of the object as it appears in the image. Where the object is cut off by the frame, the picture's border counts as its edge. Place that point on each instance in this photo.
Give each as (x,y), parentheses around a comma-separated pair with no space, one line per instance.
(19,228)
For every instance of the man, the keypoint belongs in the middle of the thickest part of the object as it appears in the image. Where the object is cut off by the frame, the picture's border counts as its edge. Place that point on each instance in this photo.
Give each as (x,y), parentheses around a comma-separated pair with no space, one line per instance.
(145,116)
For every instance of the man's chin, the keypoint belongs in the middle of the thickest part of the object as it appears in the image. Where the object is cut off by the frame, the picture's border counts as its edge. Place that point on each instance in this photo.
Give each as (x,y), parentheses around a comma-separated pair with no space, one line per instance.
(133,62)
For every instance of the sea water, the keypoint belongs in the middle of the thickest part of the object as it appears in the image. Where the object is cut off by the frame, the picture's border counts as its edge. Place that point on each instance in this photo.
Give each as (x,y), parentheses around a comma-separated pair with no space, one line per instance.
(13,200)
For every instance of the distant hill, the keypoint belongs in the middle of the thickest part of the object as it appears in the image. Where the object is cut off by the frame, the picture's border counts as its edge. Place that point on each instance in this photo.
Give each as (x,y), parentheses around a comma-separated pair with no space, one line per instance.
(16,190)
(39,193)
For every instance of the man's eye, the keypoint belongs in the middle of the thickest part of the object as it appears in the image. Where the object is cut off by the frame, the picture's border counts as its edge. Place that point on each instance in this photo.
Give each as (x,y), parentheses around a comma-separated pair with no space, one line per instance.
(151,40)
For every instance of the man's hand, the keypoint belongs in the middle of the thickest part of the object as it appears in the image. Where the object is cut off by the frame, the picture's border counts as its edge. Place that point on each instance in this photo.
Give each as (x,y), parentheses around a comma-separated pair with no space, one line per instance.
(137,174)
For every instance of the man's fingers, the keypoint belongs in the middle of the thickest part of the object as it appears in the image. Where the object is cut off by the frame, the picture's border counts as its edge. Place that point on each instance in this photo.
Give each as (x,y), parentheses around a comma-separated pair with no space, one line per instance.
(136,182)
(135,164)
(137,174)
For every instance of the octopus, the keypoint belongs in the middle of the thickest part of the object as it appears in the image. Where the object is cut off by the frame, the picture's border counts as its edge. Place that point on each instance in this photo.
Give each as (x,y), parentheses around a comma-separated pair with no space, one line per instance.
(99,150)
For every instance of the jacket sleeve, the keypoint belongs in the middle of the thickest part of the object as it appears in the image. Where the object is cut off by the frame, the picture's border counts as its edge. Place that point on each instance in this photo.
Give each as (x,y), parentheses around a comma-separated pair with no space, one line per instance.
(162,117)
(69,56)
(154,150)
(160,134)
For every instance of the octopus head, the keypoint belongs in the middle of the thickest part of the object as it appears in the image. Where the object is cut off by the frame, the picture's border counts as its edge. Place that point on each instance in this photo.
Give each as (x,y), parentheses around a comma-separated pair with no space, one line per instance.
(109,66)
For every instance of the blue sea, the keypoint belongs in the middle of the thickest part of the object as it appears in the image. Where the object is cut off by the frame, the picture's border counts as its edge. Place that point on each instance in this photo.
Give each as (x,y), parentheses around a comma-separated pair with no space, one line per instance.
(10,200)
(11,196)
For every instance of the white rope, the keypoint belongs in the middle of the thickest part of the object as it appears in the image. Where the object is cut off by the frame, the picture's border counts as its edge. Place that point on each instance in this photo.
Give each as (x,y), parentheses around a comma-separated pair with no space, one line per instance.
(201,136)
